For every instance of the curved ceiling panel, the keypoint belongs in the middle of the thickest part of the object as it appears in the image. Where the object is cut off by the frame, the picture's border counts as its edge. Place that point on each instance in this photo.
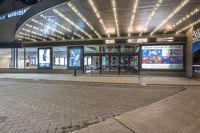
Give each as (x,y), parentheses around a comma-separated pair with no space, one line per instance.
(94,19)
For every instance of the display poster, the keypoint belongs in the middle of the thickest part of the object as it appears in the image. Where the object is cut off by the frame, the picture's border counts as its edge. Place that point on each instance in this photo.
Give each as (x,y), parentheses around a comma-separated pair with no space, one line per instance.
(162,57)
(44,58)
(114,61)
(75,56)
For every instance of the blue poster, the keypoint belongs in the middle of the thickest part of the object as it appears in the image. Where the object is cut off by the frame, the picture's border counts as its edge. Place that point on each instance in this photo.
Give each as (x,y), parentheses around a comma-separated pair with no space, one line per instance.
(75,57)
(152,52)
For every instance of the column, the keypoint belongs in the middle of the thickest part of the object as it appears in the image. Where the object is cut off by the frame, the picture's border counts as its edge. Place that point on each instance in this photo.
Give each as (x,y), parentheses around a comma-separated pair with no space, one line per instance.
(189,54)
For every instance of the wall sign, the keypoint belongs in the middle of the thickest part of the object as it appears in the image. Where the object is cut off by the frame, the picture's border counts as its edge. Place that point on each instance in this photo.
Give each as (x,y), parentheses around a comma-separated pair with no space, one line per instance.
(14,13)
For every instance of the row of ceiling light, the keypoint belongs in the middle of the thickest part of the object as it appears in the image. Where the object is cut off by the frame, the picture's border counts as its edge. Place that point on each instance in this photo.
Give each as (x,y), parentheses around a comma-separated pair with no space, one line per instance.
(114,7)
(195,11)
(79,14)
(62,27)
(94,8)
(151,16)
(183,4)
(130,28)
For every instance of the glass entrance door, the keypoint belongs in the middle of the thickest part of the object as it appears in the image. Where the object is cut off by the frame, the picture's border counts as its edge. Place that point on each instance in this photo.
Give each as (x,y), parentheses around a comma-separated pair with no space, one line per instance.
(125,64)
(92,64)
(129,64)
(134,64)
(110,64)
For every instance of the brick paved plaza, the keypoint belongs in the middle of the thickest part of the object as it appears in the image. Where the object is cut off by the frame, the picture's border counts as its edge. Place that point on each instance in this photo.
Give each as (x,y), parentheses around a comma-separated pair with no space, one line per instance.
(30,106)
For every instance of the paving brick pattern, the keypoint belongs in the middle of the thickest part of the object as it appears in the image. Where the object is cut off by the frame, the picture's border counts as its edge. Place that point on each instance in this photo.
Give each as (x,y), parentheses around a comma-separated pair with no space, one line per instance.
(61,107)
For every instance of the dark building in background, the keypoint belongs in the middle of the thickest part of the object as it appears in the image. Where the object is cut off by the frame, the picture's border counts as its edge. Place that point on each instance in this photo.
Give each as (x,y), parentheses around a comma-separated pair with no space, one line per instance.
(10,5)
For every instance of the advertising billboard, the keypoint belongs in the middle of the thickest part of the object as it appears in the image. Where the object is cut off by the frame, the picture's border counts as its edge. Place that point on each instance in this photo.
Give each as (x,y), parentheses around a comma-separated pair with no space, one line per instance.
(75,57)
(162,57)
(44,60)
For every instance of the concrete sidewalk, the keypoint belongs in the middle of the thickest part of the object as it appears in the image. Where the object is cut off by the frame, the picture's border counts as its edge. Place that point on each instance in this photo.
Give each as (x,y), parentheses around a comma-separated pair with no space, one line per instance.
(176,114)
(130,79)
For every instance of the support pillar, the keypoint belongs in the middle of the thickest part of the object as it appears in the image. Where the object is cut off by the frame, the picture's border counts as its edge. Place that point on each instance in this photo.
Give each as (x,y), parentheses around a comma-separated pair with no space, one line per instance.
(189,54)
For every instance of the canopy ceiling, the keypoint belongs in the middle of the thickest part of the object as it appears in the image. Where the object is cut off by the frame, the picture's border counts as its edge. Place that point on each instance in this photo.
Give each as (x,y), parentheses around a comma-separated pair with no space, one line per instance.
(90,19)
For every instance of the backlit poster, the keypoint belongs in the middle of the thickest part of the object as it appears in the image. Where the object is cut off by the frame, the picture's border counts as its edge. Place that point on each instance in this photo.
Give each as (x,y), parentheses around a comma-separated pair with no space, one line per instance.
(75,57)
(44,58)
(162,57)
(114,61)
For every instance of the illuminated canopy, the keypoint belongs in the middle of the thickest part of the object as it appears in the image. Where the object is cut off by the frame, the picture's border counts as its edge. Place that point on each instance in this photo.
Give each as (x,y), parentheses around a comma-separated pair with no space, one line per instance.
(96,19)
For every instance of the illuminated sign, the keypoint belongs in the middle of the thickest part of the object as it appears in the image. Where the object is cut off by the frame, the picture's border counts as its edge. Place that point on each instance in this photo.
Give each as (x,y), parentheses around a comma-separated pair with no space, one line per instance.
(75,57)
(14,13)
(162,57)
(139,40)
(109,41)
(45,58)
(167,39)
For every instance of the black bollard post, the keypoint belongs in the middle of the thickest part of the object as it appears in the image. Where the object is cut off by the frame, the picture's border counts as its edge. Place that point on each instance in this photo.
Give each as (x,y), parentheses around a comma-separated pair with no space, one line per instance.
(74,72)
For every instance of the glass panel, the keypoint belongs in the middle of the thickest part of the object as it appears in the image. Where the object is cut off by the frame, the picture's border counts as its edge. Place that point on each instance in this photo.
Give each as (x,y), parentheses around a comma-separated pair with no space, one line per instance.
(5,58)
(59,57)
(21,58)
(62,61)
(91,64)
(125,64)
(110,49)
(31,58)
(114,63)
(105,63)
(57,61)
(126,49)
(136,48)
(91,49)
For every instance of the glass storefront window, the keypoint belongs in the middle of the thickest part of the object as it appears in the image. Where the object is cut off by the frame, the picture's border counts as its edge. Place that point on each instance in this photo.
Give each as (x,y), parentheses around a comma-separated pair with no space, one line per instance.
(110,49)
(59,57)
(31,58)
(105,63)
(136,49)
(5,58)
(127,49)
(91,49)
(21,58)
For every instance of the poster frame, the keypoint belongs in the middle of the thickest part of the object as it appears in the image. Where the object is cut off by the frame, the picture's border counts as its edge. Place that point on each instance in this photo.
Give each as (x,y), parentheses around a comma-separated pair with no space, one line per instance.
(51,58)
(166,70)
(81,58)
